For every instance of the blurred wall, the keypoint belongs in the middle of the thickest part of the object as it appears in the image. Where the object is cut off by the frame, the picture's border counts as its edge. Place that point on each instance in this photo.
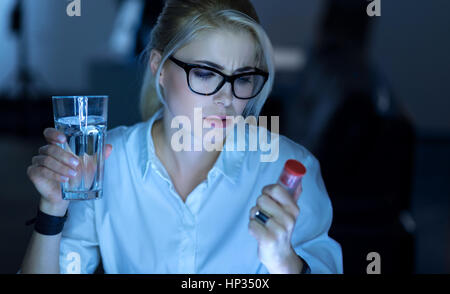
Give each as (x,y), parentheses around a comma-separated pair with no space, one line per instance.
(61,47)
(8,44)
(411,44)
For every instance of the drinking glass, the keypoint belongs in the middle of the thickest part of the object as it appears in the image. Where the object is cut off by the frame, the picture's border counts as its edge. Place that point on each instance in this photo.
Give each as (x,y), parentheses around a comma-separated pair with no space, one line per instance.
(83,120)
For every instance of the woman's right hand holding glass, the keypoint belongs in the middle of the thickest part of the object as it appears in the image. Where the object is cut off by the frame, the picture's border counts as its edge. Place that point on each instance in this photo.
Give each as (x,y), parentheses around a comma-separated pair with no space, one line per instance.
(52,167)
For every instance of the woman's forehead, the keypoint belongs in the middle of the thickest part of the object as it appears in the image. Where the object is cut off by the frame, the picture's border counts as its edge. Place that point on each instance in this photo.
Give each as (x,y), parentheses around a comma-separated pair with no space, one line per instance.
(231,50)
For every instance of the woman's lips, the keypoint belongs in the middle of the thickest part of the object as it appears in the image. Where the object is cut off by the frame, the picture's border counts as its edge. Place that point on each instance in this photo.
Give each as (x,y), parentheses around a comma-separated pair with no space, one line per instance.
(217,121)
(216,117)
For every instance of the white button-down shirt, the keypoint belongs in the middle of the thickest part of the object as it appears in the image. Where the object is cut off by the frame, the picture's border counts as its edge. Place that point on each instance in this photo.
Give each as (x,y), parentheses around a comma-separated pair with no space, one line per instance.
(141,224)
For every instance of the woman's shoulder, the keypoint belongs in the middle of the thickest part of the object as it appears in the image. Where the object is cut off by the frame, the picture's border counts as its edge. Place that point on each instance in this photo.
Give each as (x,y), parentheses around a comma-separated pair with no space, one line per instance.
(281,148)
(128,143)
(125,134)
(294,149)
(115,134)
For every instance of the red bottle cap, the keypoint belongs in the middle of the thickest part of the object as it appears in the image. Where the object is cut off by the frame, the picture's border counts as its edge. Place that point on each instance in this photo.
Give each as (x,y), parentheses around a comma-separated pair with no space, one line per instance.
(295,168)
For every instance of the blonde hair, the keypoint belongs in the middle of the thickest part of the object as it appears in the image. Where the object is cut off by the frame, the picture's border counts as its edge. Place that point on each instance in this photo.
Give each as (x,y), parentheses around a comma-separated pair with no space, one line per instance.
(181,21)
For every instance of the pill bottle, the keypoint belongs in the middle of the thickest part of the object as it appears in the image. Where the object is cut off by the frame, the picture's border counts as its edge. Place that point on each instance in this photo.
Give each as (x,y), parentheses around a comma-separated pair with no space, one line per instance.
(291,176)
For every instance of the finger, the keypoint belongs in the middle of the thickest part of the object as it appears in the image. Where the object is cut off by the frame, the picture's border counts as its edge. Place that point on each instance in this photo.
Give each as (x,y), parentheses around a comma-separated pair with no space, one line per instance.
(277,213)
(59,154)
(89,163)
(253,211)
(108,150)
(36,172)
(281,196)
(297,193)
(270,232)
(54,165)
(52,135)
(260,219)
(276,231)
(258,230)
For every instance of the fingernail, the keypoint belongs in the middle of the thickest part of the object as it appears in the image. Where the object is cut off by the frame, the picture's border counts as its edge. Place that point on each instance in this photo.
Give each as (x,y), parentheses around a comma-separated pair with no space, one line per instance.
(72,172)
(65,179)
(61,138)
(74,162)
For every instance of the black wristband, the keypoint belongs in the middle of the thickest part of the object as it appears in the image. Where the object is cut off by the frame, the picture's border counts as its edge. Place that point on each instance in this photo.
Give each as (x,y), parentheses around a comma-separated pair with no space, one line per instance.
(46,224)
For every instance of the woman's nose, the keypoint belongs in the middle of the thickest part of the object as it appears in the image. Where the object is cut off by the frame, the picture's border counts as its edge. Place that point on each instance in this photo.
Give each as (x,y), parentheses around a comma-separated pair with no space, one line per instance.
(225,95)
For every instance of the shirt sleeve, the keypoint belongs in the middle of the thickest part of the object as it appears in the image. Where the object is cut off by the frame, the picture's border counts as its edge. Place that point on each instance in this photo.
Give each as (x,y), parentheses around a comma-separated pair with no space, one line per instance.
(310,238)
(79,250)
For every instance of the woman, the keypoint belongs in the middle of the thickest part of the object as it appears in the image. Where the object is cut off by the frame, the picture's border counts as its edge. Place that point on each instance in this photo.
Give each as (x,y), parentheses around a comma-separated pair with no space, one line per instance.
(190,211)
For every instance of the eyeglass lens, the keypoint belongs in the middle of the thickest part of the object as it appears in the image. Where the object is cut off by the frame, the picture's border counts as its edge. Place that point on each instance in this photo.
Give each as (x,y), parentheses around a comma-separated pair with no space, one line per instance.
(205,82)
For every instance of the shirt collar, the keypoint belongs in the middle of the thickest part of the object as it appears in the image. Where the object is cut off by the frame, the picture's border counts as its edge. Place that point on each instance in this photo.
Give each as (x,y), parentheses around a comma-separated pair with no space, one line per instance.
(147,152)
(229,162)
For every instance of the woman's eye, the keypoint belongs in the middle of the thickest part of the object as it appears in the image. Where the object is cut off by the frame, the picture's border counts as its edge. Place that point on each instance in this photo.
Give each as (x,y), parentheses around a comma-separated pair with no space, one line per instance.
(244,80)
(203,74)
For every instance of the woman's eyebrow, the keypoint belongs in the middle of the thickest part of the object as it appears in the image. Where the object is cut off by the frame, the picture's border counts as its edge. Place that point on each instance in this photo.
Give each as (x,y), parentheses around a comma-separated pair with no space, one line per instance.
(219,67)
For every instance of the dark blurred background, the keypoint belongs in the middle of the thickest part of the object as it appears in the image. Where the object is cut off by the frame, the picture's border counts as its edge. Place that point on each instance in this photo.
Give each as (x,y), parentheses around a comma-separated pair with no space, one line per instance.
(369,96)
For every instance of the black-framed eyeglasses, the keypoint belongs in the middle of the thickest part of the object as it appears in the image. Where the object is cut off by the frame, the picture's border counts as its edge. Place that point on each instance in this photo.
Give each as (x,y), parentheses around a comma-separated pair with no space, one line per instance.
(205,80)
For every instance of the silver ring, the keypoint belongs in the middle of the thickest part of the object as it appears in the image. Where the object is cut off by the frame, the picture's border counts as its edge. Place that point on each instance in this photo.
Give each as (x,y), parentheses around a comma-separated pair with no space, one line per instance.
(261,217)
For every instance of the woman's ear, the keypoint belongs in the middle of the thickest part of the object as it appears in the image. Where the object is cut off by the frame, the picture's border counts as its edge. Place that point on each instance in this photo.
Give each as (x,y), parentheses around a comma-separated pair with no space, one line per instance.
(155,60)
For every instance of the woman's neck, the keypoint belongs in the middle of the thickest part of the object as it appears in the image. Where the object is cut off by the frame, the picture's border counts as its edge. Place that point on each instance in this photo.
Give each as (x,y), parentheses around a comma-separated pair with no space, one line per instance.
(195,163)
